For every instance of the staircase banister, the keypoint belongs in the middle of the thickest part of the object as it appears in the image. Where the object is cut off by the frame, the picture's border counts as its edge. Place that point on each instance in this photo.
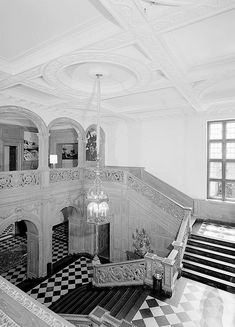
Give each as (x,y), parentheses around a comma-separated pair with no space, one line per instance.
(173,191)
(119,273)
(184,225)
(77,320)
(19,309)
(162,194)
(118,263)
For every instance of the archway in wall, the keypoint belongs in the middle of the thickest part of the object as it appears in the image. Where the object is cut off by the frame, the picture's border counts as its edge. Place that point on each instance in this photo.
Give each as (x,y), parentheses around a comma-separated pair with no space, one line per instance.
(19,143)
(66,143)
(60,235)
(19,254)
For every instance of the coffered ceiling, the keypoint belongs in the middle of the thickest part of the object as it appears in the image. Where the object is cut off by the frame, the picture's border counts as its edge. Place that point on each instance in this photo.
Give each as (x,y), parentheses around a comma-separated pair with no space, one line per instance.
(172,57)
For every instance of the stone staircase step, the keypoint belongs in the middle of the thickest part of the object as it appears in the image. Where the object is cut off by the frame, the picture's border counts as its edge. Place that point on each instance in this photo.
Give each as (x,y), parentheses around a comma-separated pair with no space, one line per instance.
(210,253)
(211,246)
(193,257)
(82,300)
(208,270)
(213,240)
(209,280)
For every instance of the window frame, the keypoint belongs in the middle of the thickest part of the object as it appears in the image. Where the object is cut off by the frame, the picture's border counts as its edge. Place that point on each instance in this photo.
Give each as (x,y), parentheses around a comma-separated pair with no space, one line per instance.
(224,141)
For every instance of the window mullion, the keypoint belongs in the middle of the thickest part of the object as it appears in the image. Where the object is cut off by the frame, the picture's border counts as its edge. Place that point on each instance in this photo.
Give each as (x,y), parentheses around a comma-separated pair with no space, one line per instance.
(223,159)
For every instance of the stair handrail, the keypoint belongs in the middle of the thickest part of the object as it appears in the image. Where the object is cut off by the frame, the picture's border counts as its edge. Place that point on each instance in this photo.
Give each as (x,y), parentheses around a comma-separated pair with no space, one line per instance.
(19,309)
(161,200)
(174,192)
(123,273)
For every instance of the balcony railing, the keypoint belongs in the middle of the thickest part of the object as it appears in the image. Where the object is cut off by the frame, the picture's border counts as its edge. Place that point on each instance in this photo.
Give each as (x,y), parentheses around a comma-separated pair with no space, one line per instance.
(19,179)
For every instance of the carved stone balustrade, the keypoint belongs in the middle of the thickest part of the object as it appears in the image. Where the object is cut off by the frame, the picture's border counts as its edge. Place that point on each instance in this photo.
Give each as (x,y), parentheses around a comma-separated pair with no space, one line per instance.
(17,309)
(17,179)
(64,174)
(161,200)
(120,273)
(107,175)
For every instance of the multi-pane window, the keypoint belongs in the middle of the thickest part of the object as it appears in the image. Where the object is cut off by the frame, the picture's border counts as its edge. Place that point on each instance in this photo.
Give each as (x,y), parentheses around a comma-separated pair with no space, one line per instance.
(221,160)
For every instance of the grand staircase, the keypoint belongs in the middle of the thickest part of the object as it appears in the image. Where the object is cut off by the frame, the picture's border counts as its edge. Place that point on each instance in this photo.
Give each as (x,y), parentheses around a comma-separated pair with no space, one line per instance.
(121,302)
(210,261)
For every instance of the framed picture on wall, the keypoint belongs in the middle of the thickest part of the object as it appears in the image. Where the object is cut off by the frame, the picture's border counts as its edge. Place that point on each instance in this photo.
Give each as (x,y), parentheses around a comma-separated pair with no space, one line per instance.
(69,151)
(30,146)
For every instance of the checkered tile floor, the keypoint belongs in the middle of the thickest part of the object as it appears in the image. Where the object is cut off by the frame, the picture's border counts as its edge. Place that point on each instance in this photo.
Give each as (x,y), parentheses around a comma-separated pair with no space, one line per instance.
(61,232)
(18,274)
(12,242)
(59,249)
(192,305)
(7,231)
(78,273)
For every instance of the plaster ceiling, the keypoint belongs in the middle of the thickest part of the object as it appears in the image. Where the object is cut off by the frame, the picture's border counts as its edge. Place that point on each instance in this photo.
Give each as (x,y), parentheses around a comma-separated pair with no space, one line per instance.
(156,60)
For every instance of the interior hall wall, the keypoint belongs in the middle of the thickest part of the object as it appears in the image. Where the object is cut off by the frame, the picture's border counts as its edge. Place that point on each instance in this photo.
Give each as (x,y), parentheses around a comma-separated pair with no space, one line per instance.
(173,149)
(131,211)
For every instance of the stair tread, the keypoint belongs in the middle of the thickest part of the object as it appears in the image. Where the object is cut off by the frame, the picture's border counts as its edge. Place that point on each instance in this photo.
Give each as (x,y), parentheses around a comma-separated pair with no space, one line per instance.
(211,251)
(213,238)
(209,268)
(210,259)
(213,244)
(212,278)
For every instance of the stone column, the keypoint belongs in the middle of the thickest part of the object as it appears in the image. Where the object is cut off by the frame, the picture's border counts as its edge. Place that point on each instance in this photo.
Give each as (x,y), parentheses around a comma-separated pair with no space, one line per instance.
(43,141)
(81,152)
(33,263)
(46,239)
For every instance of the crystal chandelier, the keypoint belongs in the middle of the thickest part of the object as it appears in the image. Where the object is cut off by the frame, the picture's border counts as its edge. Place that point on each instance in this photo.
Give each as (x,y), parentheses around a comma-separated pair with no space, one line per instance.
(97,198)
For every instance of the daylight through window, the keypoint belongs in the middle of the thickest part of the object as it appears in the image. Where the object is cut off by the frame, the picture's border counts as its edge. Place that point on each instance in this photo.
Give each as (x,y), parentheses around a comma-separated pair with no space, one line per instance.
(221,160)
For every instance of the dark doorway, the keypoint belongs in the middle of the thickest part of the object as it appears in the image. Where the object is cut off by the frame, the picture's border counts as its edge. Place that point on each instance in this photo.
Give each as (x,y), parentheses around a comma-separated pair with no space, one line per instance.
(104,241)
(12,158)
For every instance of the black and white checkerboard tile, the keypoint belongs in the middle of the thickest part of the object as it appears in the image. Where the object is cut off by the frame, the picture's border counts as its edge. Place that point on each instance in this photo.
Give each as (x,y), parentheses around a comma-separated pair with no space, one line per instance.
(16,274)
(198,305)
(12,242)
(59,249)
(61,232)
(8,231)
(78,273)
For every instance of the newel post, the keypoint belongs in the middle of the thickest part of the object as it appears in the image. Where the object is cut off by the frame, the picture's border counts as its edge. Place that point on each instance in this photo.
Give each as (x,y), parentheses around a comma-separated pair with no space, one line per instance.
(178,246)
(168,273)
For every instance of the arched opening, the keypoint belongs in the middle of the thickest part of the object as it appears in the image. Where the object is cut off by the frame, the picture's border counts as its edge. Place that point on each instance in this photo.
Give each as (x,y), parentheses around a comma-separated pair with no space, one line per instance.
(66,143)
(19,141)
(19,254)
(60,234)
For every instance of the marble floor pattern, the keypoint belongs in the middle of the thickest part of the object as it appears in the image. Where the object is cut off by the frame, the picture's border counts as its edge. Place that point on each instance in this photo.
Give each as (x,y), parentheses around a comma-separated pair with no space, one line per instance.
(226,233)
(78,273)
(18,273)
(192,305)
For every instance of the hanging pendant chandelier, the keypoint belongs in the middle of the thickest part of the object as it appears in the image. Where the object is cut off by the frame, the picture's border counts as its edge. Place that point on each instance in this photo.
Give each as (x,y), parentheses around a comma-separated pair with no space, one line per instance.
(97,198)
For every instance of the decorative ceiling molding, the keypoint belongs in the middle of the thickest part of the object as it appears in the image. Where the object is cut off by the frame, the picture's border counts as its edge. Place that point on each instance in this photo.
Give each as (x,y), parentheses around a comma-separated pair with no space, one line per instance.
(191,13)
(137,74)
(12,80)
(80,37)
(129,17)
